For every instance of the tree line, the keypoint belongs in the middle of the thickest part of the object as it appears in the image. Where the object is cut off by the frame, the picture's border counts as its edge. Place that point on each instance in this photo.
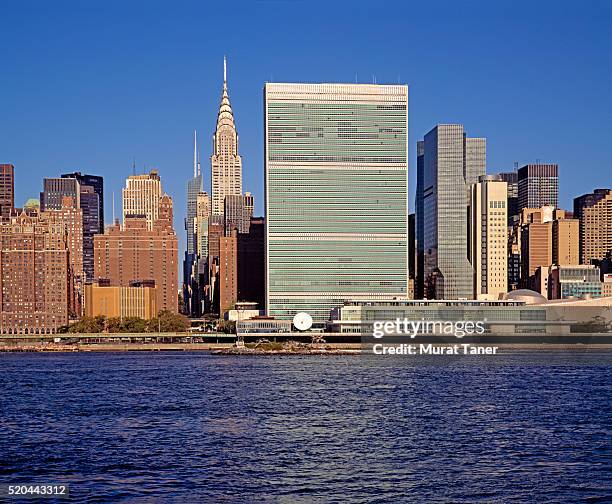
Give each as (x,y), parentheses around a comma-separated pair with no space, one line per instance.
(165,321)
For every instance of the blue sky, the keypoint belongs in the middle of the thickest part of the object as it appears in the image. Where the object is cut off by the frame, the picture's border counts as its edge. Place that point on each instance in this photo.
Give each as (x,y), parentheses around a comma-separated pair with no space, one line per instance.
(90,86)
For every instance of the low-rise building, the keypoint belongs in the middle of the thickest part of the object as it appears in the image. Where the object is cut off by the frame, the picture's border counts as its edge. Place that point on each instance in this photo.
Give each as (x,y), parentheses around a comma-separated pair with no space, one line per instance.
(137,300)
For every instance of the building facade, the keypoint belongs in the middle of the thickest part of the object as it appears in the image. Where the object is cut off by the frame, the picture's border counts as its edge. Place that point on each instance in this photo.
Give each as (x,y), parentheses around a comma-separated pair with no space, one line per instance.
(96,182)
(136,253)
(140,197)
(578,281)
(228,271)
(565,241)
(238,210)
(538,186)
(7,190)
(489,237)
(511,178)
(225,162)
(34,276)
(594,211)
(132,301)
(451,163)
(336,195)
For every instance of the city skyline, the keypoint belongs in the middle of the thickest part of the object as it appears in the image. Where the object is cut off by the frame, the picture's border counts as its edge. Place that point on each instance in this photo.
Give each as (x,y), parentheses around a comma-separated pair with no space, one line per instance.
(114,110)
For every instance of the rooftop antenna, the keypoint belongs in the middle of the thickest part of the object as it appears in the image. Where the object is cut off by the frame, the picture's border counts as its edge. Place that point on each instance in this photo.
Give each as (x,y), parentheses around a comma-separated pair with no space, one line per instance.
(516,166)
(113,208)
(195,151)
(134,166)
(224,70)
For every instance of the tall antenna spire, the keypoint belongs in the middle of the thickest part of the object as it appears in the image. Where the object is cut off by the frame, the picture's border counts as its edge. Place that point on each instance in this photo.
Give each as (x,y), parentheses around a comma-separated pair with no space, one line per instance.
(224,72)
(195,153)
(113,208)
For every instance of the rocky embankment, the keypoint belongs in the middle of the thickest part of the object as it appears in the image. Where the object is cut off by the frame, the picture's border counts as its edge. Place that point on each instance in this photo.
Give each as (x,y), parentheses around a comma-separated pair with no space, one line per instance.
(285,348)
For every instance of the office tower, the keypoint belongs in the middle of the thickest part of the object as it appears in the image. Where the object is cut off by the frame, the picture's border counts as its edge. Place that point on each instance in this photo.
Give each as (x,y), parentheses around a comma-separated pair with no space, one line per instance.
(138,253)
(489,237)
(238,210)
(140,197)
(71,218)
(411,246)
(336,195)
(511,178)
(594,211)
(97,183)
(84,197)
(228,271)
(194,188)
(420,222)
(252,264)
(451,163)
(90,205)
(226,163)
(34,276)
(565,242)
(54,191)
(7,190)
(139,299)
(538,186)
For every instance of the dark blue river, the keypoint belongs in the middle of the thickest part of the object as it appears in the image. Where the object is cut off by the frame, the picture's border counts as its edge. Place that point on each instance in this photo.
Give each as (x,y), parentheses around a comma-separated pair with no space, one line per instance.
(191,427)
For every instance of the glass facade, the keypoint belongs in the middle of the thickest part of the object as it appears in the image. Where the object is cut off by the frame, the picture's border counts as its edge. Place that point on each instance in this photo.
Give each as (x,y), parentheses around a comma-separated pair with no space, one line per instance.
(451,162)
(336,195)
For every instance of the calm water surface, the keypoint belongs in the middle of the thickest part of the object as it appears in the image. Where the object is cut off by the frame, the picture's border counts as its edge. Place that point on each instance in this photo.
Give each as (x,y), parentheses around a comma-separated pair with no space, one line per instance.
(177,427)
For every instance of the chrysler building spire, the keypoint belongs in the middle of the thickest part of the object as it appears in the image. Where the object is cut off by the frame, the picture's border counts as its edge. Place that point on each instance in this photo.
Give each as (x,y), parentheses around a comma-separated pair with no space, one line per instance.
(226,163)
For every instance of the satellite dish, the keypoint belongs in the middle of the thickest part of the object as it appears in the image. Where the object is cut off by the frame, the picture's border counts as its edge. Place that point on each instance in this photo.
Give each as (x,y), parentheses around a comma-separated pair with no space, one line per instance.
(302,321)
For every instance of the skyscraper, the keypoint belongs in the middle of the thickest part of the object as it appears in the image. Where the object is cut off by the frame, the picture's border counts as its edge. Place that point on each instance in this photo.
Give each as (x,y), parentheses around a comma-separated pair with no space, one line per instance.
(97,183)
(83,197)
(594,211)
(336,195)
(141,196)
(511,178)
(136,253)
(34,275)
(451,163)
(194,188)
(71,218)
(226,163)
(54,191)
(238,211)
(538,186)
(489,237)
(7,190)
(419,223)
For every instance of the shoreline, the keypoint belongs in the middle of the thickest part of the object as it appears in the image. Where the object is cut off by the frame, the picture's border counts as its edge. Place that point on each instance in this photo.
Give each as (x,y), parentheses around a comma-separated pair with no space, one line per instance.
(230,349)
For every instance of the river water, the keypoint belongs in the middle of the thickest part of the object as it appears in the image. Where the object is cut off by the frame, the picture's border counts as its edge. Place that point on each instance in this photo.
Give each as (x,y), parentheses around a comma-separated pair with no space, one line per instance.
(192,427)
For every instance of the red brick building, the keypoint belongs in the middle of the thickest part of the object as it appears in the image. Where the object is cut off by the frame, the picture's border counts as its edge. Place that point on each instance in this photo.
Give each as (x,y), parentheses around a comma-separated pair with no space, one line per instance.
(34,275)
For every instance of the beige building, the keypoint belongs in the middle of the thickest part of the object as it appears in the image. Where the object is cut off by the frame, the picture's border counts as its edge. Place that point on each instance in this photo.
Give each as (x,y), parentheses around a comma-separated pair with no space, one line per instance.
(141,197)
(489,238)
(594,211)
(226,163)
(116,301)
(565,242)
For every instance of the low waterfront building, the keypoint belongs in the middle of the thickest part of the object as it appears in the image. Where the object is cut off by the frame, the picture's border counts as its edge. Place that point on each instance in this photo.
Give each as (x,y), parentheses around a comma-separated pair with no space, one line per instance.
(137,300)
(580,281)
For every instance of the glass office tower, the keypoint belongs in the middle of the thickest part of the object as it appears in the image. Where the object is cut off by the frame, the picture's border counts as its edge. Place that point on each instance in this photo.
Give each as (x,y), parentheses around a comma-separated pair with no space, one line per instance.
(336,195)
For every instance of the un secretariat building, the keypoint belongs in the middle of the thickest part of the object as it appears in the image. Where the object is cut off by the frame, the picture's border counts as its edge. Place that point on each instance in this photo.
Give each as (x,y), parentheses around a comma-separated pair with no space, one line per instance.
(336,181)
